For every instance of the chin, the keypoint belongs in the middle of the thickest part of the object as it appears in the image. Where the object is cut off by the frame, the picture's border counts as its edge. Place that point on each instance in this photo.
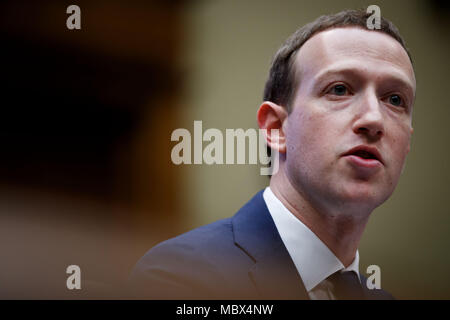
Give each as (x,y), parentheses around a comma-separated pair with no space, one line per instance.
(364,197)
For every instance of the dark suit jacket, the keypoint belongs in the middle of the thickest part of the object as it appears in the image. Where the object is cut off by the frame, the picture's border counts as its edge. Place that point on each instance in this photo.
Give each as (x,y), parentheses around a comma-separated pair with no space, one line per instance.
(242,257)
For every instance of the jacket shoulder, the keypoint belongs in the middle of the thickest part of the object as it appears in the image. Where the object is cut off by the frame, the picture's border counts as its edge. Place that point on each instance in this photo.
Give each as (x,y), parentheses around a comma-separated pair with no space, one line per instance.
(190,265)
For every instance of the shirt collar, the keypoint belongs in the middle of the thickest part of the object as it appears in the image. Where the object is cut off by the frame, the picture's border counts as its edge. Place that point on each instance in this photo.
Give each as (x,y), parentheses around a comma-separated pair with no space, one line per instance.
(313,259)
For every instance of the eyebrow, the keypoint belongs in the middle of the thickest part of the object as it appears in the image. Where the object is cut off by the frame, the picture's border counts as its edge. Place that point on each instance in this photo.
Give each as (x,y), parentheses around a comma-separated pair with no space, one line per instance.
(358,73)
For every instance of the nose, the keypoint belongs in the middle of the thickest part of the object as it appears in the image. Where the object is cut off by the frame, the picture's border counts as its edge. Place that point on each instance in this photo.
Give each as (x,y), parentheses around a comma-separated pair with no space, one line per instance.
(369,120)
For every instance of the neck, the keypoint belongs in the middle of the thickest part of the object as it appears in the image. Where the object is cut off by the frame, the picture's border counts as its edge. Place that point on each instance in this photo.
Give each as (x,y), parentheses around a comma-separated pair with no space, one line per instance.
(340,228)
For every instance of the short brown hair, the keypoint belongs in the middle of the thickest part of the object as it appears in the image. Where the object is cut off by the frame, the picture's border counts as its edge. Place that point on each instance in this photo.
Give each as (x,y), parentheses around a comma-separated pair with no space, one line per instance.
(281,82)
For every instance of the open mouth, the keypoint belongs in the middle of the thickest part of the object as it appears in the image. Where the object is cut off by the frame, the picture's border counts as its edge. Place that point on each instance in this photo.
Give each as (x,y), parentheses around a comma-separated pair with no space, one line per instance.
(365,154)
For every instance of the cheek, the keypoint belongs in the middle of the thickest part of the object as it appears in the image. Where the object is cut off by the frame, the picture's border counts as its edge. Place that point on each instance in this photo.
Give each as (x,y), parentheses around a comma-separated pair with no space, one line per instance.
(308,138)
(401,141)
(399,148)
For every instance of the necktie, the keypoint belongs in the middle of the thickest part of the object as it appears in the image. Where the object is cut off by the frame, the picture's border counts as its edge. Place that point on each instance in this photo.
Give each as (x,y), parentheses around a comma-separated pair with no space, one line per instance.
(346,286)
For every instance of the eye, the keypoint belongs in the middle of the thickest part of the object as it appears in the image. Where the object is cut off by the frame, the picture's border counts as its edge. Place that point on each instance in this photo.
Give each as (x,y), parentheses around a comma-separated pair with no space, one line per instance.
(395,100)
(339,90)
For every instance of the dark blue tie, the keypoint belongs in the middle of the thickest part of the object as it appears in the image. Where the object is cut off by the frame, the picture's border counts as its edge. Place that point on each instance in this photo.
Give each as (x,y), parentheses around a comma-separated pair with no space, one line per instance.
(346,286)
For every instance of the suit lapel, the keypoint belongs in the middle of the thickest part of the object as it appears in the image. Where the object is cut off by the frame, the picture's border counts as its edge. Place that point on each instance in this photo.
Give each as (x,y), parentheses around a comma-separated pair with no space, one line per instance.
(273,274)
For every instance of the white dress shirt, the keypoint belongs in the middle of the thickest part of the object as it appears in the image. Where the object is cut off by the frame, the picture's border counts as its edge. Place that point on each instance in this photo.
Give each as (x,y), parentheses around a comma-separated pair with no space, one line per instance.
(314,261)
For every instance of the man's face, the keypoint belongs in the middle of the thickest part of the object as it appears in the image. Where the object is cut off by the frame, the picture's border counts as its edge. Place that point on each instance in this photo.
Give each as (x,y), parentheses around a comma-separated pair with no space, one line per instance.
(349,130)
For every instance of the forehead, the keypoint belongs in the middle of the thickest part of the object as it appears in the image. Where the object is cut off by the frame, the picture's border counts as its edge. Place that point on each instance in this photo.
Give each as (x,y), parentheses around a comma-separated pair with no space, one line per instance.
(352,48)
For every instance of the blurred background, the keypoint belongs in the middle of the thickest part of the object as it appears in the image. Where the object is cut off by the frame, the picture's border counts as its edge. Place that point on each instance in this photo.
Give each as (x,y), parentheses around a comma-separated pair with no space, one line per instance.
(86,176)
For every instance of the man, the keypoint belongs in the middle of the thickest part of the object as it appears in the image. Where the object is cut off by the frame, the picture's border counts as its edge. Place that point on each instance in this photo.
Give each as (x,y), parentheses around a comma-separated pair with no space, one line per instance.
(340,96)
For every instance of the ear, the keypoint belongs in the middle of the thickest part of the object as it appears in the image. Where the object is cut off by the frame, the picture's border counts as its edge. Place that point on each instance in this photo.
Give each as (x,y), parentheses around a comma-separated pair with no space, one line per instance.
(272,116)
